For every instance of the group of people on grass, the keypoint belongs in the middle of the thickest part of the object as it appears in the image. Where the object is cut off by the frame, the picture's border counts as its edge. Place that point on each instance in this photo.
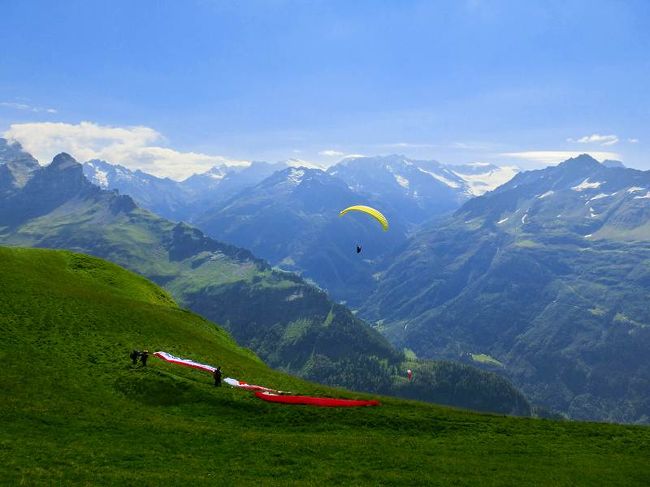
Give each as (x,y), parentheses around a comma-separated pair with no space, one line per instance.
(144,355)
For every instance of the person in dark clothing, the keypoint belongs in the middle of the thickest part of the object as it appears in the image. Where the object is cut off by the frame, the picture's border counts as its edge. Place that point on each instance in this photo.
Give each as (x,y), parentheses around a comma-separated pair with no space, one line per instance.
(135,354)
(217,377)
(358,249)
(143,357)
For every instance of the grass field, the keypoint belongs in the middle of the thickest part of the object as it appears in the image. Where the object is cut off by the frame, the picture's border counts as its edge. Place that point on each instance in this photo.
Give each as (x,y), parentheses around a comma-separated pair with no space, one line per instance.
(75,411)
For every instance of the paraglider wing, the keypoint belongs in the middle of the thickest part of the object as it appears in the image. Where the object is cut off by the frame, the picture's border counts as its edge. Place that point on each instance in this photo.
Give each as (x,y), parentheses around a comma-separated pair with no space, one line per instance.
(250,387)
(168,357)
(376,214)
(315,401)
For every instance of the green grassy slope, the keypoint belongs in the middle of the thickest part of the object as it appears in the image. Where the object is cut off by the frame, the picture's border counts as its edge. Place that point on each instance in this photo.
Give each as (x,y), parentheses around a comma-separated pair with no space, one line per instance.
(74,410)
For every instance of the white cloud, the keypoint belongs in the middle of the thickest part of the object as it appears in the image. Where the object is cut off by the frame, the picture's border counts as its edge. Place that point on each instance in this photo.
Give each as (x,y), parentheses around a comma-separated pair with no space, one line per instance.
(26,107)
(331,153)
(596,139)
(555,157)
(135,147)
(633,141)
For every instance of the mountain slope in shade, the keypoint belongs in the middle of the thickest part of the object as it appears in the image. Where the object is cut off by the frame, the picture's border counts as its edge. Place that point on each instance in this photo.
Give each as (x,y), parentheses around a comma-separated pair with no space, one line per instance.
(546,277)
(291,324)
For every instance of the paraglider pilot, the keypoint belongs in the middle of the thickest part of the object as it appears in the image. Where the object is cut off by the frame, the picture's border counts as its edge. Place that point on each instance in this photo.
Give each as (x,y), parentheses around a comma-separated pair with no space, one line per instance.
(143,357)
(135,354)
(217,377)
(358,249)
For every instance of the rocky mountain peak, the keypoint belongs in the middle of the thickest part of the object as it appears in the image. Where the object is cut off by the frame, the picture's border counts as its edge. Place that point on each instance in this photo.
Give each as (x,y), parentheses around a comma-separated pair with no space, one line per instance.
(64,162)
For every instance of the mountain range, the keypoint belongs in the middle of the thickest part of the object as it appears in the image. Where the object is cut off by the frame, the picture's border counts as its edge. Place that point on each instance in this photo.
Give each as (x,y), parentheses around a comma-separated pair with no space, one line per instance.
(419,187)
(291,324)
(545,278)
(289,215)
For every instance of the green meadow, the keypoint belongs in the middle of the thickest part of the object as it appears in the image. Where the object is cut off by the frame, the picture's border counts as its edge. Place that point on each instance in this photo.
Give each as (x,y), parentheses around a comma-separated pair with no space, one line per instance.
(74,410)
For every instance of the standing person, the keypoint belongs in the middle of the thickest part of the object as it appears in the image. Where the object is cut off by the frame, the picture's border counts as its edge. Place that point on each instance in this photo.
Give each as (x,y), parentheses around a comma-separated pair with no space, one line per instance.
(143,357)
(134,356)
(217,376)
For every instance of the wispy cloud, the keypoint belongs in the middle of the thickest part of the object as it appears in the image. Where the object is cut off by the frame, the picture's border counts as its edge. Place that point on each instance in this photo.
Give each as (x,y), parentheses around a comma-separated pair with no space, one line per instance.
(596,139)
(633,141)
(331,153)
(26,107)
(547,157)
(135,147)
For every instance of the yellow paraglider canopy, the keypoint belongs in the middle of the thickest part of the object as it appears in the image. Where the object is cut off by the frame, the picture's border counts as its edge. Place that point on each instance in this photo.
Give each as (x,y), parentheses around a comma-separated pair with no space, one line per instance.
(370,211)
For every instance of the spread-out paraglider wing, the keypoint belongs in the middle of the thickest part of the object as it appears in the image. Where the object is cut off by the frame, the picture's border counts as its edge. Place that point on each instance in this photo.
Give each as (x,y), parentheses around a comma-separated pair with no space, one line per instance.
(376,214)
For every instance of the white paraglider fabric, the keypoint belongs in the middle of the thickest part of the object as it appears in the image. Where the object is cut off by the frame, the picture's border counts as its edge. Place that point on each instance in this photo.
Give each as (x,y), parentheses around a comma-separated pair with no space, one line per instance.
(249,387)
(168,357)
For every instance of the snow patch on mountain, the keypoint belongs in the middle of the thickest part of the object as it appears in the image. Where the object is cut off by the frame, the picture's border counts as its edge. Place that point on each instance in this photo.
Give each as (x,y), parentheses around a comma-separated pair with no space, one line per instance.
(481,182)
(502,221)
(100,178)
(635,189)
(545,195)
(644,197)
(295,175)
(442,179)
(598,197)
(586,185)
(215,173)
(402,181)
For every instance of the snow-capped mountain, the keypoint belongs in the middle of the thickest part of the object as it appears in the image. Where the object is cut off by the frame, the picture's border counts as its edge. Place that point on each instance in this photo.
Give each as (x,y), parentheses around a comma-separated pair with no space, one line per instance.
(179,200)
(421,188)
(222,182)
(163,196)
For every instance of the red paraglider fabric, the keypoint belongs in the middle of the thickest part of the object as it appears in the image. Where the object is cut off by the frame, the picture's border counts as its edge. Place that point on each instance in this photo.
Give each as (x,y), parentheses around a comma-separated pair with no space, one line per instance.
(315,401)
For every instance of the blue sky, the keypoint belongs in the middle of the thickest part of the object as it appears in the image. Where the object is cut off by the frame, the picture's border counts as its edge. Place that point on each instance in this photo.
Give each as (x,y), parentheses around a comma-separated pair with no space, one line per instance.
(159,83)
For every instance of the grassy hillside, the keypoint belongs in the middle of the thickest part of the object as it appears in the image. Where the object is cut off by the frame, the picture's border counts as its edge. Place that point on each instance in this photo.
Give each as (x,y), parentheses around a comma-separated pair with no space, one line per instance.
(74,410)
